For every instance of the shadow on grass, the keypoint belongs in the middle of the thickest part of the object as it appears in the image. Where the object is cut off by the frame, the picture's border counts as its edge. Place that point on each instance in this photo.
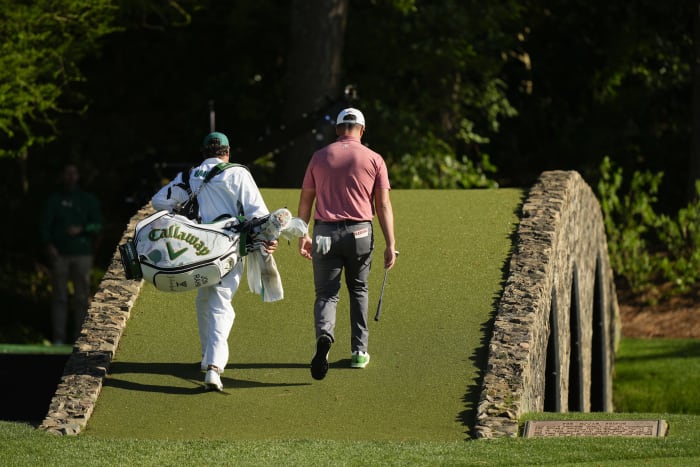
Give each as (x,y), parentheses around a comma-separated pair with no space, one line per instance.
(481,353)
(471,399)
(659,349)
(341,364)
(189,372)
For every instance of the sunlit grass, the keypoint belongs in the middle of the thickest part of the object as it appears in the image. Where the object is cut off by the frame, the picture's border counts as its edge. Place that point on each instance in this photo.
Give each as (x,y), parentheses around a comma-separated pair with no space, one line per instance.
(22,445)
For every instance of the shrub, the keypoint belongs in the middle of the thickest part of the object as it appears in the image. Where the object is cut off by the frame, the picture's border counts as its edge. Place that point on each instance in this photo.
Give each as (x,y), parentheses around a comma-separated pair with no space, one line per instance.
(647,248)
(681,236)
(435,165)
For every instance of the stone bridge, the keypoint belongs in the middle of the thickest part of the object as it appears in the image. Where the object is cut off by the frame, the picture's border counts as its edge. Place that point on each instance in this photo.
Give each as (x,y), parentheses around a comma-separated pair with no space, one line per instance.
(554,335)
(557,327)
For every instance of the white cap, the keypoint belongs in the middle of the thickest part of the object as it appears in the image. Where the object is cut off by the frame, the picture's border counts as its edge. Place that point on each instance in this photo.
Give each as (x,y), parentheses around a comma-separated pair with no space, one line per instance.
(350,115)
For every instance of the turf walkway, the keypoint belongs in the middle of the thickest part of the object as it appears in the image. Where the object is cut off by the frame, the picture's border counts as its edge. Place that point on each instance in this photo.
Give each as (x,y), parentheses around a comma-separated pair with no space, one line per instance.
(427,351)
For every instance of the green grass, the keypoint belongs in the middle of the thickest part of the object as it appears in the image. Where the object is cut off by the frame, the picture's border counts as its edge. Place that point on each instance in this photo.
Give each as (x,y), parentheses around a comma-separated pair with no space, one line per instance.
(658,375)
(25,446)
(411,406)
(35,349)
(427,350)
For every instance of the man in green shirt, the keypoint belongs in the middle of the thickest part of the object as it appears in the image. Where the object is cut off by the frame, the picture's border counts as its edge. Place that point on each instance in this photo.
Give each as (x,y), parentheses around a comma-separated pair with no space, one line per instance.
(70,222)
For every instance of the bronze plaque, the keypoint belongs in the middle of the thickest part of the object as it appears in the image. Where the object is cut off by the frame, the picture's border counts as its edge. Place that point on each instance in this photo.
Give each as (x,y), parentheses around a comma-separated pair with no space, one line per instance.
(631,428)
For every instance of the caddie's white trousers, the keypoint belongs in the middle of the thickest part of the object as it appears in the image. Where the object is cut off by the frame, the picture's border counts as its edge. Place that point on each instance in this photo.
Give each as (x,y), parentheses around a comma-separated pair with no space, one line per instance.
(215,317)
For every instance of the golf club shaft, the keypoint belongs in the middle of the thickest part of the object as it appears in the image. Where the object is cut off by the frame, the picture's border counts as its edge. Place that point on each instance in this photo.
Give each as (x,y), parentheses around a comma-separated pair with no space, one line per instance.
(381,297)
(381,294)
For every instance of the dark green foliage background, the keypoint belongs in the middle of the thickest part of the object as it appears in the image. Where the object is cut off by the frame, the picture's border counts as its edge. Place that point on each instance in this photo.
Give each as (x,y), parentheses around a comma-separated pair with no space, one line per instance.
(456,94)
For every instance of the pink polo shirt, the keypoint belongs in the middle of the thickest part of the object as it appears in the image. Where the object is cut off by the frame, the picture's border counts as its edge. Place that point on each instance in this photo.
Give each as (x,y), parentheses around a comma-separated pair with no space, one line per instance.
(345,175)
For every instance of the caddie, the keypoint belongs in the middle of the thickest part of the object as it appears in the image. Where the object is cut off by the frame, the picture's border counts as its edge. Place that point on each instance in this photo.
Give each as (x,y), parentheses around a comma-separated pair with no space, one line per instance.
(233,192)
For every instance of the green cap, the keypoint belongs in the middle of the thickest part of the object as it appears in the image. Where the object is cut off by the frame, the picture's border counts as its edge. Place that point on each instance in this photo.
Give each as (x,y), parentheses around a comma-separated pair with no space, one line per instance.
(216,139)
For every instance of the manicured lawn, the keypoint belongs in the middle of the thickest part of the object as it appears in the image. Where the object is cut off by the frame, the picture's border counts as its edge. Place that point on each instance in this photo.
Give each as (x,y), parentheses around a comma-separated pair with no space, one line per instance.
(411,406)
(658,375)
(24,446)
(427,350)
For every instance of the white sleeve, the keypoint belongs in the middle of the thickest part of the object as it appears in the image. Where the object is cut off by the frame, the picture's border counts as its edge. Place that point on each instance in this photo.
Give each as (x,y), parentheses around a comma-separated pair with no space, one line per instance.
(170,196)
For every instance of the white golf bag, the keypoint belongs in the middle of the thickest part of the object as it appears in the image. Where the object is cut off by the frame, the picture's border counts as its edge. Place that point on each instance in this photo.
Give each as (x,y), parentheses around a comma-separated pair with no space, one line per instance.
(177,254)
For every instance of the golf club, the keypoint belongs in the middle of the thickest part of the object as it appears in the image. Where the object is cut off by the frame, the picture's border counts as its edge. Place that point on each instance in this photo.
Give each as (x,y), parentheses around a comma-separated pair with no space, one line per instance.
(381,294)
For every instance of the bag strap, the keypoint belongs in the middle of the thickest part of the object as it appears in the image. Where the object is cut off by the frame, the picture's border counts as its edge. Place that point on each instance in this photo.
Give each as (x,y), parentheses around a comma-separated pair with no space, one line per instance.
(185,183)
(218,168)
(191,202)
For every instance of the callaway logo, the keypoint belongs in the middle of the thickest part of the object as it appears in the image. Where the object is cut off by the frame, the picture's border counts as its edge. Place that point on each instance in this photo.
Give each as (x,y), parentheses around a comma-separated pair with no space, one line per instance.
(174,254)
(174,232)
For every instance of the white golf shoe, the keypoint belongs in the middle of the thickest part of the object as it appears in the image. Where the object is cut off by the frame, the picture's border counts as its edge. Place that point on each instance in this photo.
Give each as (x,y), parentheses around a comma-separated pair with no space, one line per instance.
(212,380)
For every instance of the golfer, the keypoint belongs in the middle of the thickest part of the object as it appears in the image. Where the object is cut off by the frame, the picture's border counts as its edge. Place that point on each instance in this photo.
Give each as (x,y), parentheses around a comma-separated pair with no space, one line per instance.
(348,182)
(233,192)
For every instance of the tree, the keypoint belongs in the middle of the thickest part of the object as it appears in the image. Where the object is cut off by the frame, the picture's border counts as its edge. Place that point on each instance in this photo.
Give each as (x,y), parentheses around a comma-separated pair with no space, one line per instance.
(430,76)
(41,44)
(608,78)
(314,66)
(694,169)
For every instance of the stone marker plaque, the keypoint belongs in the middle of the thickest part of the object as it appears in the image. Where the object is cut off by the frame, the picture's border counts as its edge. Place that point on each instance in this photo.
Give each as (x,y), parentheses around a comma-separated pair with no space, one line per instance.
(630,428)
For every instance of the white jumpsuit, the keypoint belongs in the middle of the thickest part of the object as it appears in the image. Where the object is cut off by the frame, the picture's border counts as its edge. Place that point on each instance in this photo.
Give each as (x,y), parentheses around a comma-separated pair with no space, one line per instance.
(231,192)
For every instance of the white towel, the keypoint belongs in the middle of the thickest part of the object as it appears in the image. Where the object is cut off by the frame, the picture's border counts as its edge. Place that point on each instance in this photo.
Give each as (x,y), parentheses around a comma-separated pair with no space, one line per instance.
(323,244)
(263,277)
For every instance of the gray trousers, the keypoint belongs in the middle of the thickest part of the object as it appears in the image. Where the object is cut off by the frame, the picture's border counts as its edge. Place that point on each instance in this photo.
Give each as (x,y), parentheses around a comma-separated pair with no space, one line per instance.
(351,248)
(75,269)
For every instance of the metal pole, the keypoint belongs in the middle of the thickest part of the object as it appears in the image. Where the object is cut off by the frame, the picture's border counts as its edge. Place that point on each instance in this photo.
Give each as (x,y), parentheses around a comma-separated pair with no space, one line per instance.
(212,116)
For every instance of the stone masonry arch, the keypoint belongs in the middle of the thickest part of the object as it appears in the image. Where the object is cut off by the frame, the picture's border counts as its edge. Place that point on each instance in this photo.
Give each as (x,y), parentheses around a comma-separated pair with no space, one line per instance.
(557,327)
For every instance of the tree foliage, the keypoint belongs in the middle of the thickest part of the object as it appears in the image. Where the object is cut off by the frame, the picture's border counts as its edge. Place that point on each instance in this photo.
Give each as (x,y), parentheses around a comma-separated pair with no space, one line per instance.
(430,75)
(608,78)
(457,94)
(648,248)
(41,45)
(528,85)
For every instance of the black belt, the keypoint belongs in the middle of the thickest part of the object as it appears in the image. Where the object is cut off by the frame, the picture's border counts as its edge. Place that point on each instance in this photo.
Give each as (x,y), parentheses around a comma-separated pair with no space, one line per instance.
(340,223)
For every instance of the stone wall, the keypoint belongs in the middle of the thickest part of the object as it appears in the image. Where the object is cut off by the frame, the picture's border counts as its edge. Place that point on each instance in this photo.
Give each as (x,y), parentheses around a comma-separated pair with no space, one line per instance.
(86,368)
(560,248)
(559,269)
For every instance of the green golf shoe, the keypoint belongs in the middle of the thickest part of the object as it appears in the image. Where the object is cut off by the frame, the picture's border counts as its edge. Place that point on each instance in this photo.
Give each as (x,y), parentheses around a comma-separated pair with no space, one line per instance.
(359,359)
